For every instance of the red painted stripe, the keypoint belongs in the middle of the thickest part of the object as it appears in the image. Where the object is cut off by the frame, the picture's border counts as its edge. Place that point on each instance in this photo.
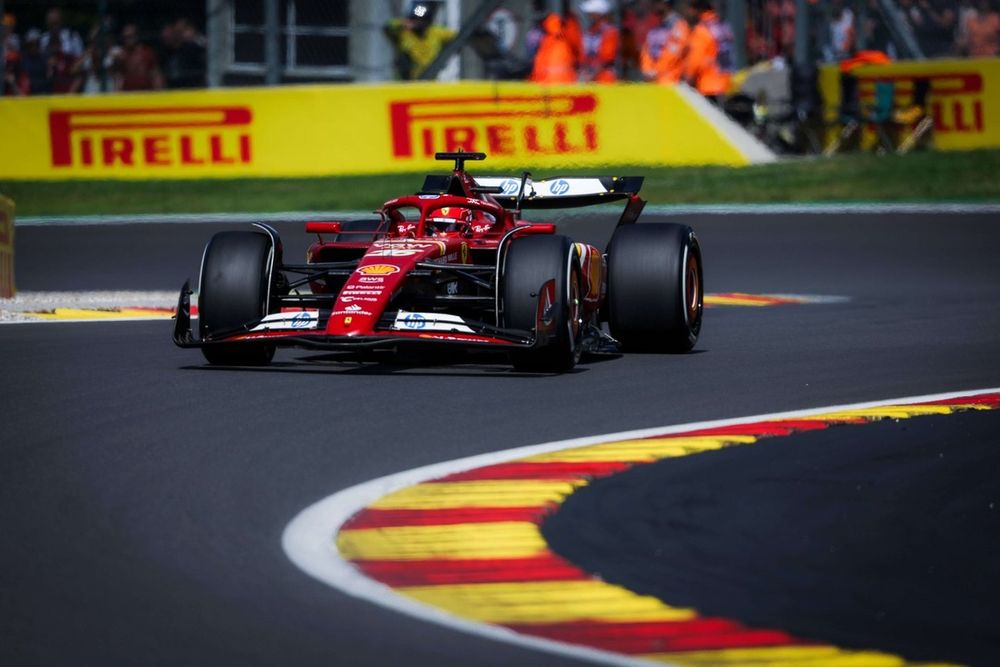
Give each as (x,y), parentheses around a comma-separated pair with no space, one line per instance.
(540,471)
(470,571)
(982,399)
(385,518)
(762,429)
(700,634)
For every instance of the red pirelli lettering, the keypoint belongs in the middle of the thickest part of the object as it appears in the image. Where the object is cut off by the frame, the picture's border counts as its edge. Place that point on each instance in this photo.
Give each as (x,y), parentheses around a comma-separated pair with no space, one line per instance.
(128,137)
(486,123)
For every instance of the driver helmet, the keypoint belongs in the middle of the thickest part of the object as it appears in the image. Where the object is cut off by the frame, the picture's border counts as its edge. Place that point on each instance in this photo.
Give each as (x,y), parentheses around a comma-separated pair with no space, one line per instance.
(449,219)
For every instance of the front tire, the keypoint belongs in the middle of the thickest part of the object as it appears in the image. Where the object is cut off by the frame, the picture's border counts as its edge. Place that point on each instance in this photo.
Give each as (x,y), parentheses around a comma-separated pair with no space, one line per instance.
(235,286)
(531,262)
(655,287)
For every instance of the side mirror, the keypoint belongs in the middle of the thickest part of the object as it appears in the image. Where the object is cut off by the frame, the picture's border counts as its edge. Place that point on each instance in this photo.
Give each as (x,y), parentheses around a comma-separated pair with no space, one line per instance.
(323,227)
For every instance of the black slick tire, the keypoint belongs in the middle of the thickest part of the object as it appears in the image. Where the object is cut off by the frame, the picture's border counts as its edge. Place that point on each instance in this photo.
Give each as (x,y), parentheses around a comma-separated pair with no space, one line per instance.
(655,287)
(531,262)
(234,291)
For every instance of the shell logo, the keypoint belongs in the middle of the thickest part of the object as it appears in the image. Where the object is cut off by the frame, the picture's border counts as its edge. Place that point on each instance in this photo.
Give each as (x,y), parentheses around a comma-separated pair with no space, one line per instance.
(378,269)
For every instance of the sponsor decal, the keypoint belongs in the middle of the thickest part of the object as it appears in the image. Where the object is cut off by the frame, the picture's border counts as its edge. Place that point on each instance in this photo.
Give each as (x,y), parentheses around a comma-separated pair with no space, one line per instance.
(406,248)
(371,279)
(405,228)
(399,252)
(352,310)
(353,290)
(350,298)
(503,125)
(429,196)
(464,250)
(186,137)
(464,339)
(348,320)
(510,186)
(378,269)
(414,321)
(430,322)
(302,319)
(559,187)
(452,288)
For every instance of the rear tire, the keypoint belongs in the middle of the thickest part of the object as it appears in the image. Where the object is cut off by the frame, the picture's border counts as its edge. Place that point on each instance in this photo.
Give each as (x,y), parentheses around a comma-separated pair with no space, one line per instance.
(531,262)
(655,287)
(234,292)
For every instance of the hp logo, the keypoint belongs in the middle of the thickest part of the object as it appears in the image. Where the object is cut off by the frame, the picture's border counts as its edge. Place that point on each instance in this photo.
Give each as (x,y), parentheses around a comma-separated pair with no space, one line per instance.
(559,187)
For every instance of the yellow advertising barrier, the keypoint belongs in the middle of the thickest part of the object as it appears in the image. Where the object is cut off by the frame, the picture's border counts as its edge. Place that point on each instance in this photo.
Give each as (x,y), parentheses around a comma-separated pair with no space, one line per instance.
(354,129)
(964,96)
(6,248)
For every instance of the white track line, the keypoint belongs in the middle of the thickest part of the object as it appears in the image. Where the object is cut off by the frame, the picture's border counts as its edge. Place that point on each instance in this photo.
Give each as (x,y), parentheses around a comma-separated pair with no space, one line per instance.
(308,540)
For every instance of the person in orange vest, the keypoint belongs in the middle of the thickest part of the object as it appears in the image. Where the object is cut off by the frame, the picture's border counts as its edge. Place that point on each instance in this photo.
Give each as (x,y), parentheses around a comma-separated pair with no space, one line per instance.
(662,57)
(708,65)
(600,44)
(556,58)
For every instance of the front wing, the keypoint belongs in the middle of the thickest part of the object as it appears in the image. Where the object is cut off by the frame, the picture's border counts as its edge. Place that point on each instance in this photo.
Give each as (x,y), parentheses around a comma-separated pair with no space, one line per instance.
(479,335)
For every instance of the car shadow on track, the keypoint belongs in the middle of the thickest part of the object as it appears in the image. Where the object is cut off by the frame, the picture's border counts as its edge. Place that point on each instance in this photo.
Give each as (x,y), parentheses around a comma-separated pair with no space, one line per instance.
(469,365)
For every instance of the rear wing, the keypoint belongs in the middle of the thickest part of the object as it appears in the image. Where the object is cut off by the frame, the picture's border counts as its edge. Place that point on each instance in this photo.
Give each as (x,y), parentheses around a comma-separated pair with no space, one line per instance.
(551,193)
(563,192)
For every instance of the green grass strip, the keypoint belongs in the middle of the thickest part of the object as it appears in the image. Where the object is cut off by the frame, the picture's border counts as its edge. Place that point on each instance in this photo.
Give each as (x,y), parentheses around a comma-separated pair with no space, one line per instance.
(920,177)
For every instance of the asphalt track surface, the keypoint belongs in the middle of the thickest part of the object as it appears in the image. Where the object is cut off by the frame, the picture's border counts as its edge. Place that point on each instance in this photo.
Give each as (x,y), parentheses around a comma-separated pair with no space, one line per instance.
(143,495)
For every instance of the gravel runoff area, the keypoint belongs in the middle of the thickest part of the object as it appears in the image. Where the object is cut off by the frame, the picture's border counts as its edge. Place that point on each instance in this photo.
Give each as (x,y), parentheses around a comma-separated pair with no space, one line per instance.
(17,309)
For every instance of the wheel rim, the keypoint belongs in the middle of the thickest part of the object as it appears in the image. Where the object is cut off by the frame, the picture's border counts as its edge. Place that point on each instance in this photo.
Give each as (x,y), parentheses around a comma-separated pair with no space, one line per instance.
(692,296)
(575,321)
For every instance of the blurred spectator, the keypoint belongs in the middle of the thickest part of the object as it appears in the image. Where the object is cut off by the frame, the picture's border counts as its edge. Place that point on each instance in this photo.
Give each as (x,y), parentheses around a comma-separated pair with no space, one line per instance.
(708,64)
(34,70)
(600,44)
(182,55)
(982,30)
(877,34)
(60,68)
(933,23)
(638,18)
(69,41)
(137,65)
(841,32)
(11,55)
(10,39)
(95,68)
(663,53)
(966,9)
(556,56)
(416,39)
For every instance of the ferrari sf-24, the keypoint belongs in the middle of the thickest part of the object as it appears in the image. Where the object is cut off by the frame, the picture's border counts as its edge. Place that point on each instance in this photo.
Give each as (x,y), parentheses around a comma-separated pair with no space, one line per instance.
(455,265)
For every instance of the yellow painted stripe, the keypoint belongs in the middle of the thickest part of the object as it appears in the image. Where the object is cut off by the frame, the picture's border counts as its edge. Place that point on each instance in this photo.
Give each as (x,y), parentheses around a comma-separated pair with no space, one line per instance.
(94,314)
(546,602)
(489,493)
(503,539)
(886,412)
(781,656)
(650,449)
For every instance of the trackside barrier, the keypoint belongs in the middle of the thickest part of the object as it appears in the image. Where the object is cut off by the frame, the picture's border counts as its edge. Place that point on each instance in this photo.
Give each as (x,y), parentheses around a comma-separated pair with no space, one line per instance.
(964,96)
(6,248)
(320,130)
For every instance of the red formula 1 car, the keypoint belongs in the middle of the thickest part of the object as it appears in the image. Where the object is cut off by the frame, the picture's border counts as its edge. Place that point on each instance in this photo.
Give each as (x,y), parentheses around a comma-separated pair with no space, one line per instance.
(455,265)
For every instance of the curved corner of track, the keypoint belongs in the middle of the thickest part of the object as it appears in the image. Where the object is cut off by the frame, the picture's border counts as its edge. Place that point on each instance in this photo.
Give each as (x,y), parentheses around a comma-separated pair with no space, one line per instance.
(459,543)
